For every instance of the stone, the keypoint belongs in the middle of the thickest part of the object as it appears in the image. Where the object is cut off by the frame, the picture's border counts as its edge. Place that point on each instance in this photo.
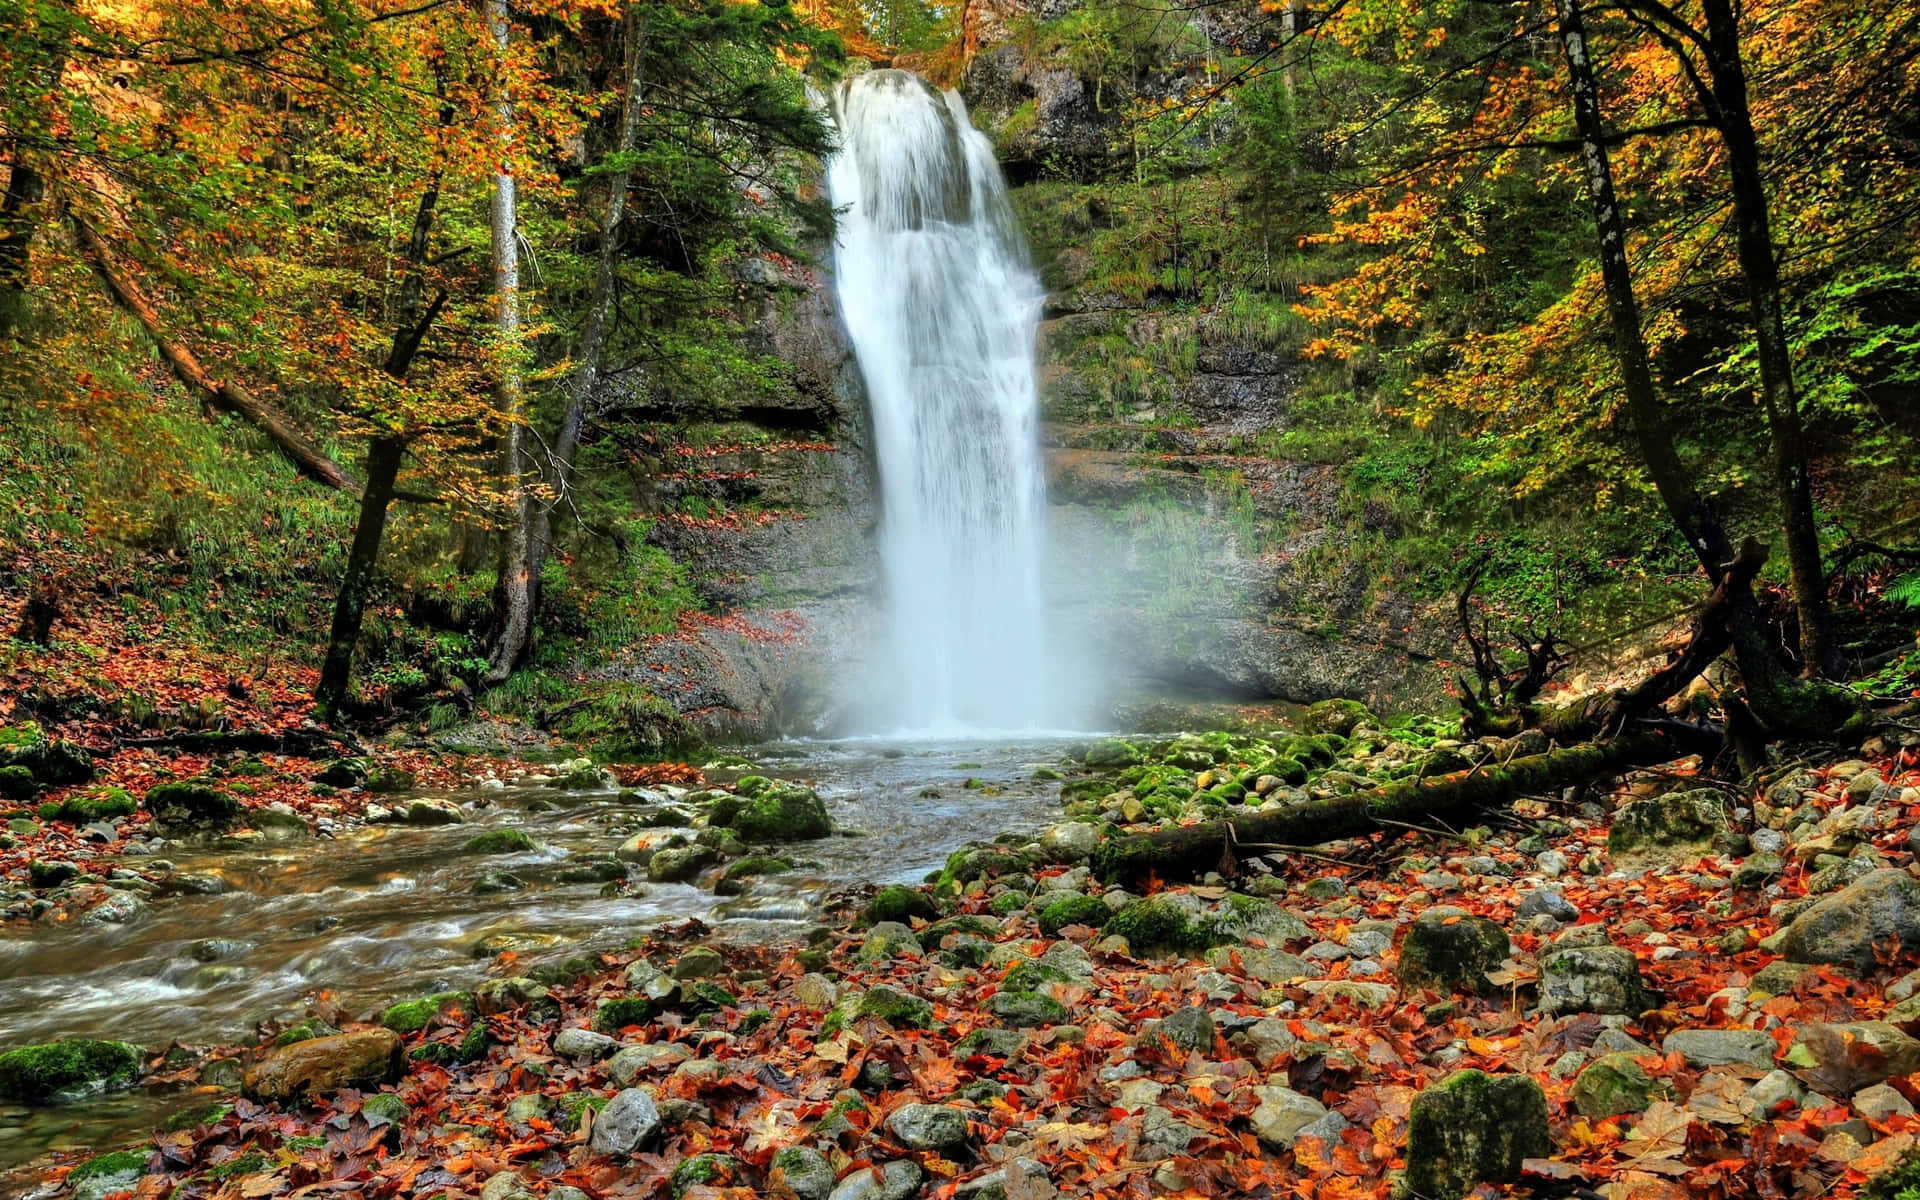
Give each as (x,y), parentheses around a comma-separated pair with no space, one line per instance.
(1263,963)
(1267,1039)
(1027,1009)
(1721,1047)
(767,810)
(497,996)
(993,1184)
(701,962)
(1613,1084)
(107,1175)
(1164,1136)
(890,939)
(1473,1128)
(66,1070)
(1449,950)
(893,1181)
(1111,753)
(1191,1029)
(506,1185)
(1546,902)
(1070,841)
(928,1126)
(433,811)
(583,1045)
(1849,927)
(364,1059)
(801,1170)
(1881,1103)
(1586,978)
(1775,1088)
(631,1061)
(816,991)
(1670,828)
(1852,1055)
(680,864)
(1776,978)
(628,1122)
(528,1107)
(1284,1116)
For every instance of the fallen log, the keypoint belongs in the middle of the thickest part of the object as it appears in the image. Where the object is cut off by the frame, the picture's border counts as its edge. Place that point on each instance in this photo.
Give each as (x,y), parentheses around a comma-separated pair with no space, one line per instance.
(300,743)
(293,442)
(1189,851)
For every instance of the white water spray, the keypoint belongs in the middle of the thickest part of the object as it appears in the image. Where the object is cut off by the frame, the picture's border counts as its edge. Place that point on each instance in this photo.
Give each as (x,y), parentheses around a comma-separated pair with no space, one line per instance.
(942,307)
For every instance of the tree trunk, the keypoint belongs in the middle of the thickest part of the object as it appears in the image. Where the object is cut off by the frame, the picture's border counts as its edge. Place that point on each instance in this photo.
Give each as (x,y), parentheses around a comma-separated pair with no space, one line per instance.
(513,594)
(593,337)
(1189,851)
(349,608)
(384,456)
(300,449)
(24,191)
(1779,398)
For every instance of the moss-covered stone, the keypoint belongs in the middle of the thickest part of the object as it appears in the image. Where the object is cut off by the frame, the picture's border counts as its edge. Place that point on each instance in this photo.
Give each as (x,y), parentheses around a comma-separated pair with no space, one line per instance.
(1090,911)
(1613,1084)
(196,1117)
(494,882)
(705,1170)
(500,841)
(1161,923)
(1111,753)
(897,903)
(1449,950)
(411,1016)
(50,873)
(51,763)
(385,1108)
(1027,1009)
(387,780)
(1336,716)
(66,1069)
(766,810)
(881,1002)
(757,864)
(17,783)
(342,773)
(614,1015)
(192,805)
(307,1030)
(1473,1128)
(1675,824)
(107,1174)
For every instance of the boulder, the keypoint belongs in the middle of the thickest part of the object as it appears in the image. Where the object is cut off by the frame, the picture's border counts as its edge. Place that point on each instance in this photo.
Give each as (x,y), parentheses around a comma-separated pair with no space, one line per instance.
(66,1070)
(1190,1029)
(1851,926)
(364,1059)
(626,1124)
(1589,978)
(191,806)
(1720,1047)
(1473,1128)
(1448,950)
(929,1127)
(1672,828)
(1853,1055)
(801,1170)
(767,810)
(894,1181)
(1613,1084)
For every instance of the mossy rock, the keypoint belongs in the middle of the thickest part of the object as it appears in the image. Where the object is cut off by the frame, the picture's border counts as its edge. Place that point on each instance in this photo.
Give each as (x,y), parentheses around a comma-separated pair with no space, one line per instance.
(757,864)
(1336,716)
(1676,822)
(494,882)
(614,1015)
(17,783)
(603,871)
(1473,1128)
(1112,753)
(897,903)
(1160,923)
(305,1031)
(766,810)
(107,1174)
(1027,1009)
(1450,950)
(411,1016)
(1090,911)
(705,1170)
(964,923)
(43,874)
(51,763)
(198,1116)
(1614,1084)
(500,841)
(881,1002)
(470,1048)
(192,805)
(342,773)
(251,1163)
(387,780)
(66,1069)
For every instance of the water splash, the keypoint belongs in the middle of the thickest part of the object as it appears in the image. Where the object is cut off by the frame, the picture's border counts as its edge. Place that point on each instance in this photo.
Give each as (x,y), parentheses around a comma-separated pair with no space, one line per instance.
(943,307)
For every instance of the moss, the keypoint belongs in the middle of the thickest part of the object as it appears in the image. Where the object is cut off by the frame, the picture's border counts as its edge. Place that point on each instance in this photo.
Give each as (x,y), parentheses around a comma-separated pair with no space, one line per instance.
(1030,975)
(1109,753)
(42,874)
(897,903)
(1085,789)
(120,1162)
(759,864)
(189,802)
(301,1145)
(753,1020)
(1449,951)
(1336,716)
(614,1015)
(411,1016)
(494,882)
(17,783)
(1159,924)
(706,995)
(196,1117)
(880,1003)
(1090,911)
(704,1170)
(770,811)
(385,1107)
(1027,1010)
(500,841)
(939,931)
(575,1103)
(471,1048)
(250,1163)
(605,871)
(305,1031)
(37,1074)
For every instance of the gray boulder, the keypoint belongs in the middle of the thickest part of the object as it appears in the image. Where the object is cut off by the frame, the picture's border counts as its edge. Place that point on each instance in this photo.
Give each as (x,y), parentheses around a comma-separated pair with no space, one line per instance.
(1875,913)
(1284,1116)
(627,1123)
(928,1126)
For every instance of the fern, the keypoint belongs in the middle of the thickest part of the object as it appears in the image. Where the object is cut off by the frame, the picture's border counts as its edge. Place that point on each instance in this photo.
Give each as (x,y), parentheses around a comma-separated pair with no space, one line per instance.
(1905,590)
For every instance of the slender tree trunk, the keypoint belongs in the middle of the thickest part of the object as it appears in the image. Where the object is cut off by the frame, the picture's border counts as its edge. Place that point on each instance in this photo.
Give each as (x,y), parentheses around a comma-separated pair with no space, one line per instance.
(292,441)
(593,337)
(1776,700)
(513,594)
(24,190)
(1780,400)
(350,604)
(384,456)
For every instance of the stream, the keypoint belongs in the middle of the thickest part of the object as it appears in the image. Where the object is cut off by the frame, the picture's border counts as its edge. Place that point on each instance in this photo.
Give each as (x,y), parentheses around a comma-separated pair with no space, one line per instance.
(385,912)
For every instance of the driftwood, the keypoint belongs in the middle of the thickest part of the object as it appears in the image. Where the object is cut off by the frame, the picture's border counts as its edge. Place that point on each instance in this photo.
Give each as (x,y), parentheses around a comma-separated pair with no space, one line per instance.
(1188,851)
(292,441)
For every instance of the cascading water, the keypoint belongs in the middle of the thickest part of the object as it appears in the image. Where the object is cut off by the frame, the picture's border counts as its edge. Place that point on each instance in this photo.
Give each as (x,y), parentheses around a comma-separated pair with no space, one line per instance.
(943,307)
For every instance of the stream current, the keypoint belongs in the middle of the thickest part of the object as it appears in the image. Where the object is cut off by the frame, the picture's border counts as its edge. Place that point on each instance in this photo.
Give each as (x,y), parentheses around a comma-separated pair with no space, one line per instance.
(386,912)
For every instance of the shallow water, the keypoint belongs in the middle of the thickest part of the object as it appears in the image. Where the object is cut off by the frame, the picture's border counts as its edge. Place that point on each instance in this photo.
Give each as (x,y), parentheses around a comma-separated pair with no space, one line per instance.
(384,912)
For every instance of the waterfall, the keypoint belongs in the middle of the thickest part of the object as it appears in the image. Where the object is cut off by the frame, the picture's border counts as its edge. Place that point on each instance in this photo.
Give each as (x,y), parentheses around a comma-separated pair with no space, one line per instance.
(942,307)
